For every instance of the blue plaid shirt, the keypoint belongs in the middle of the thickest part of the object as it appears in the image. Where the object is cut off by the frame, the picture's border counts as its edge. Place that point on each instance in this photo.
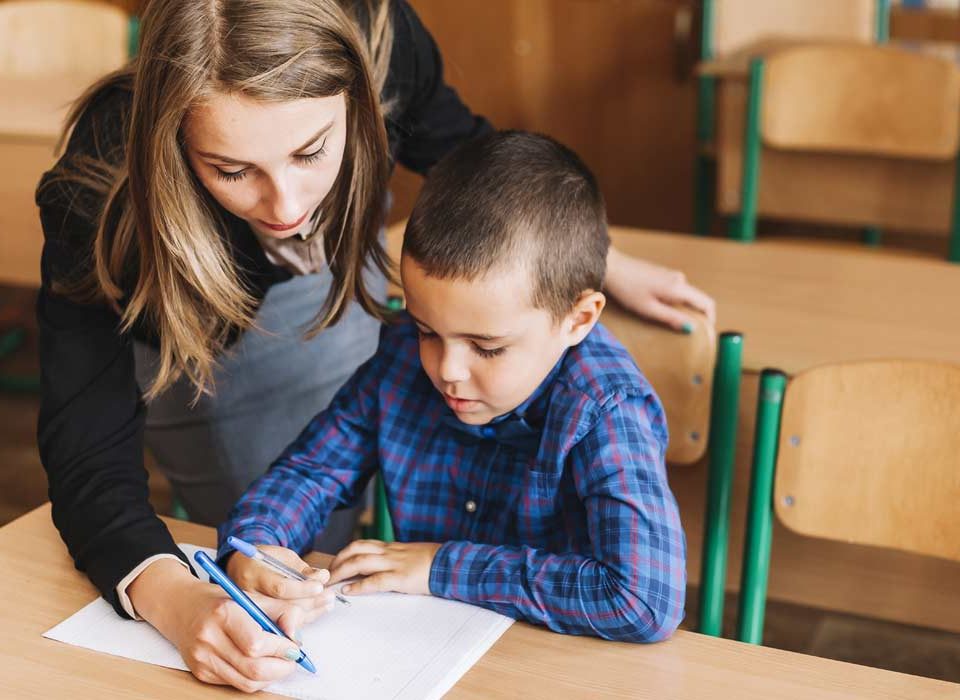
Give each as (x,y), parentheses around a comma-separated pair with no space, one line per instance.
(558,513)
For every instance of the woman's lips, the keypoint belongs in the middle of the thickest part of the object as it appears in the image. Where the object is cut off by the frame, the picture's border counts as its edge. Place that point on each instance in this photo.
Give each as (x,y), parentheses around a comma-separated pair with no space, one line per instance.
(283,227)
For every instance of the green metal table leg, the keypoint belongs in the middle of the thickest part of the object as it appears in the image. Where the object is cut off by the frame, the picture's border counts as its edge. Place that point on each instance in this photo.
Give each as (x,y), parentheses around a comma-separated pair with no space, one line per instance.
(756,551)
(723,434)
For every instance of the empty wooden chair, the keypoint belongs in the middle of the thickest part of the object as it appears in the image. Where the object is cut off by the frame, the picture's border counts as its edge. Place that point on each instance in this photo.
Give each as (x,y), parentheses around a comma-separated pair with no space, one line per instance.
(730,25)
(874,101)
(862,452)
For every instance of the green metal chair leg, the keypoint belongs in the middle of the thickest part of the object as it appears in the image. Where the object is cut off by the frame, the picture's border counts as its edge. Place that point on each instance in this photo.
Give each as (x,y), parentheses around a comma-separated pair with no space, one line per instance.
(882,28)
(723,434)
(178,511)
(953,253)
(382,524)
(133,36)
(704,175)
(744,226)
(759,534)
(9,342)
(872,236)
(704,168)
(704,189)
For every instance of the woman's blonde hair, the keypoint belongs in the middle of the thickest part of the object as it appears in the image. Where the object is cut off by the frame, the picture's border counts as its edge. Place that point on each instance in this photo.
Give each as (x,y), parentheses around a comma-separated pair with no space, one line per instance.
(161,225)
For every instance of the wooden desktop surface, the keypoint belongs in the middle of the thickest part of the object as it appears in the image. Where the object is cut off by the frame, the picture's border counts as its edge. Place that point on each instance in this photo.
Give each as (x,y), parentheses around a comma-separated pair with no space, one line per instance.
(802,305)
(40,588)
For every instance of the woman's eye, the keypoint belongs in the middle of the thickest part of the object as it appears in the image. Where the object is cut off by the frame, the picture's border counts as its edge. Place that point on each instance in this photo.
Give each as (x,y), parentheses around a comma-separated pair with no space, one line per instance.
(231,176)
(311,157)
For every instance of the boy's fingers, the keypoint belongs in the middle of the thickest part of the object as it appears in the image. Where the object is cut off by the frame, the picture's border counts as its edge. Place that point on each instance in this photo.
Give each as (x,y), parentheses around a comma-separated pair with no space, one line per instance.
(277,586)
(355,548)
(375,583)
(321,575)
(359,565)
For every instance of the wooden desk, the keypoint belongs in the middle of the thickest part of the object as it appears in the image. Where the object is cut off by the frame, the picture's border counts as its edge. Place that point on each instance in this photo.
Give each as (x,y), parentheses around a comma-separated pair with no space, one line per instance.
(800,306)
(40,588)
(31,115)
(902,194)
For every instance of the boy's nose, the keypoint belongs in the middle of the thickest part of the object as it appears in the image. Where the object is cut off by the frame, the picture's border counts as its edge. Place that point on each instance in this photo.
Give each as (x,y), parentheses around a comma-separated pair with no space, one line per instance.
(452,368)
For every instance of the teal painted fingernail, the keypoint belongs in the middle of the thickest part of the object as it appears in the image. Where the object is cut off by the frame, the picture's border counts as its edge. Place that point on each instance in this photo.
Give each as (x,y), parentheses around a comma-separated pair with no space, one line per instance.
(291,654)
(687,328)
(298,635)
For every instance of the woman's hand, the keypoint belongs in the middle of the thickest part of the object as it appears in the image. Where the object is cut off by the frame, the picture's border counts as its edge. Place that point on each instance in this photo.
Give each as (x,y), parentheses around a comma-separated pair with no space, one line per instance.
(386,566)
(311,595)
(654,292)
(219,642)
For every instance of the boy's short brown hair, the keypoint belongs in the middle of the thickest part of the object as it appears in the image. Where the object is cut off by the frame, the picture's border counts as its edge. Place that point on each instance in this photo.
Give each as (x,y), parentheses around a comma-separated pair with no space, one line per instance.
(513,197)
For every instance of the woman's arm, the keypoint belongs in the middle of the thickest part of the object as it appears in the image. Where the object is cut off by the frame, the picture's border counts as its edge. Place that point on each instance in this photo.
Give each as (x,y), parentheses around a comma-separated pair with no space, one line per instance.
(655,293)
(430,118)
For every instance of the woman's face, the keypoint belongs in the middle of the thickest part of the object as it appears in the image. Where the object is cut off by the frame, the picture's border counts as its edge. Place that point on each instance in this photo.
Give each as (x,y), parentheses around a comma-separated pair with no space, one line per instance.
(270,163)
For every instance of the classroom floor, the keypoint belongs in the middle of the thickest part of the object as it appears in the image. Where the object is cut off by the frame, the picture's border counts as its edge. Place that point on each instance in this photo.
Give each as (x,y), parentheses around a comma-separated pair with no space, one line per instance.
(869,642)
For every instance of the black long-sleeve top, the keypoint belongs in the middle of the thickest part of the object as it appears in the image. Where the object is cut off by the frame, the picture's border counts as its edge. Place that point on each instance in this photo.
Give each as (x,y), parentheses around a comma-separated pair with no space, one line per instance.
(91,424)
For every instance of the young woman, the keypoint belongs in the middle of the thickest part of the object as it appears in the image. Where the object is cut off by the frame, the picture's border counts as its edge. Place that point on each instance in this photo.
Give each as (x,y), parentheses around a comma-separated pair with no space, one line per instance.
(212,272)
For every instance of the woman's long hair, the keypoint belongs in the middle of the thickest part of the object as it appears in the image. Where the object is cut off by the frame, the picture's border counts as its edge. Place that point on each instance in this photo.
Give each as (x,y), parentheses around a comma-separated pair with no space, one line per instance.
(159,223)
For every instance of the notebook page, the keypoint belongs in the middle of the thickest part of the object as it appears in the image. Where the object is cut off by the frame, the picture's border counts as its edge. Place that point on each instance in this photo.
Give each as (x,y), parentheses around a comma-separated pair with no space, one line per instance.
(387,645)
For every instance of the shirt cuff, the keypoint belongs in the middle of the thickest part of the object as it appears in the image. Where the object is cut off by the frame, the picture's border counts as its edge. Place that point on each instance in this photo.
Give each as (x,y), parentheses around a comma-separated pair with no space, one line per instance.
(128,579)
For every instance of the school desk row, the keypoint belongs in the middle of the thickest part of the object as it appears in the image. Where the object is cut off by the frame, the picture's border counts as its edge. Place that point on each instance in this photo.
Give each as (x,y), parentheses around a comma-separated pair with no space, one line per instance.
(40,587)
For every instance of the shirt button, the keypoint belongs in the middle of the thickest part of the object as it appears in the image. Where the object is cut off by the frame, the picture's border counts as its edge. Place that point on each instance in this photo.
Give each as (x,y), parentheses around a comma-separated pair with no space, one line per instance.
(487,431)
(471,506)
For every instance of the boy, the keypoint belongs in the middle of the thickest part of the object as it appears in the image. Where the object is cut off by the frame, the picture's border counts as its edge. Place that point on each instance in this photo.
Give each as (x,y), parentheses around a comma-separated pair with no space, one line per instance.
(521,449)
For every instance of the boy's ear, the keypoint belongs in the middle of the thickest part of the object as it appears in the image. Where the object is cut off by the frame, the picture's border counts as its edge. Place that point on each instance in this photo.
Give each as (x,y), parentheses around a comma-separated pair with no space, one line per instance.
(583,316)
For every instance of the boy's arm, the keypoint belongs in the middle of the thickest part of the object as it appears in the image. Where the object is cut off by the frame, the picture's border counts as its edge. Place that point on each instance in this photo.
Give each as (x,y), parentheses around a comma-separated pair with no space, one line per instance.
(326,467)
(632,586)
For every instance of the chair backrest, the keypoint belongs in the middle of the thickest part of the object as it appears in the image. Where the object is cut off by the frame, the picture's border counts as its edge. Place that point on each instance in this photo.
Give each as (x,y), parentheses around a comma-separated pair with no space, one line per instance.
(680,367)
(870,100)
(869,453)
(61,37)
(740,22)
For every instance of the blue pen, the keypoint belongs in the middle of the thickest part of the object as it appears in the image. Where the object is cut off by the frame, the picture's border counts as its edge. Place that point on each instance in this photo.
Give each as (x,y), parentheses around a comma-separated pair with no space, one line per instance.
(248,550)
(218,576)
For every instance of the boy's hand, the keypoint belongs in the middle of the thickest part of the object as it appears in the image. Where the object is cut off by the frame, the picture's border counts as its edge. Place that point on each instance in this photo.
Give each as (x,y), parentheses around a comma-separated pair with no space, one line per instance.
(386,566)
(251,575)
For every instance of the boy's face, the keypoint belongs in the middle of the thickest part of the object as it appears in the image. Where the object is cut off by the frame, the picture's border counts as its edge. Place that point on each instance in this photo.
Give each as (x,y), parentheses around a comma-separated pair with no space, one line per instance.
(482,343)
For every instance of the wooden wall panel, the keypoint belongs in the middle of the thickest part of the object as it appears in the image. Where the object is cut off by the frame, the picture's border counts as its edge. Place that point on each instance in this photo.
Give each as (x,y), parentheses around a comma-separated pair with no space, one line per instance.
(599,75)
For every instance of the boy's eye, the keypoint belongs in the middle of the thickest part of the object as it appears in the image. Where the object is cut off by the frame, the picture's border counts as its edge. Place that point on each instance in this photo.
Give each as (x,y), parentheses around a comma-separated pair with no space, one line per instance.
(426,334)
(488,352)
